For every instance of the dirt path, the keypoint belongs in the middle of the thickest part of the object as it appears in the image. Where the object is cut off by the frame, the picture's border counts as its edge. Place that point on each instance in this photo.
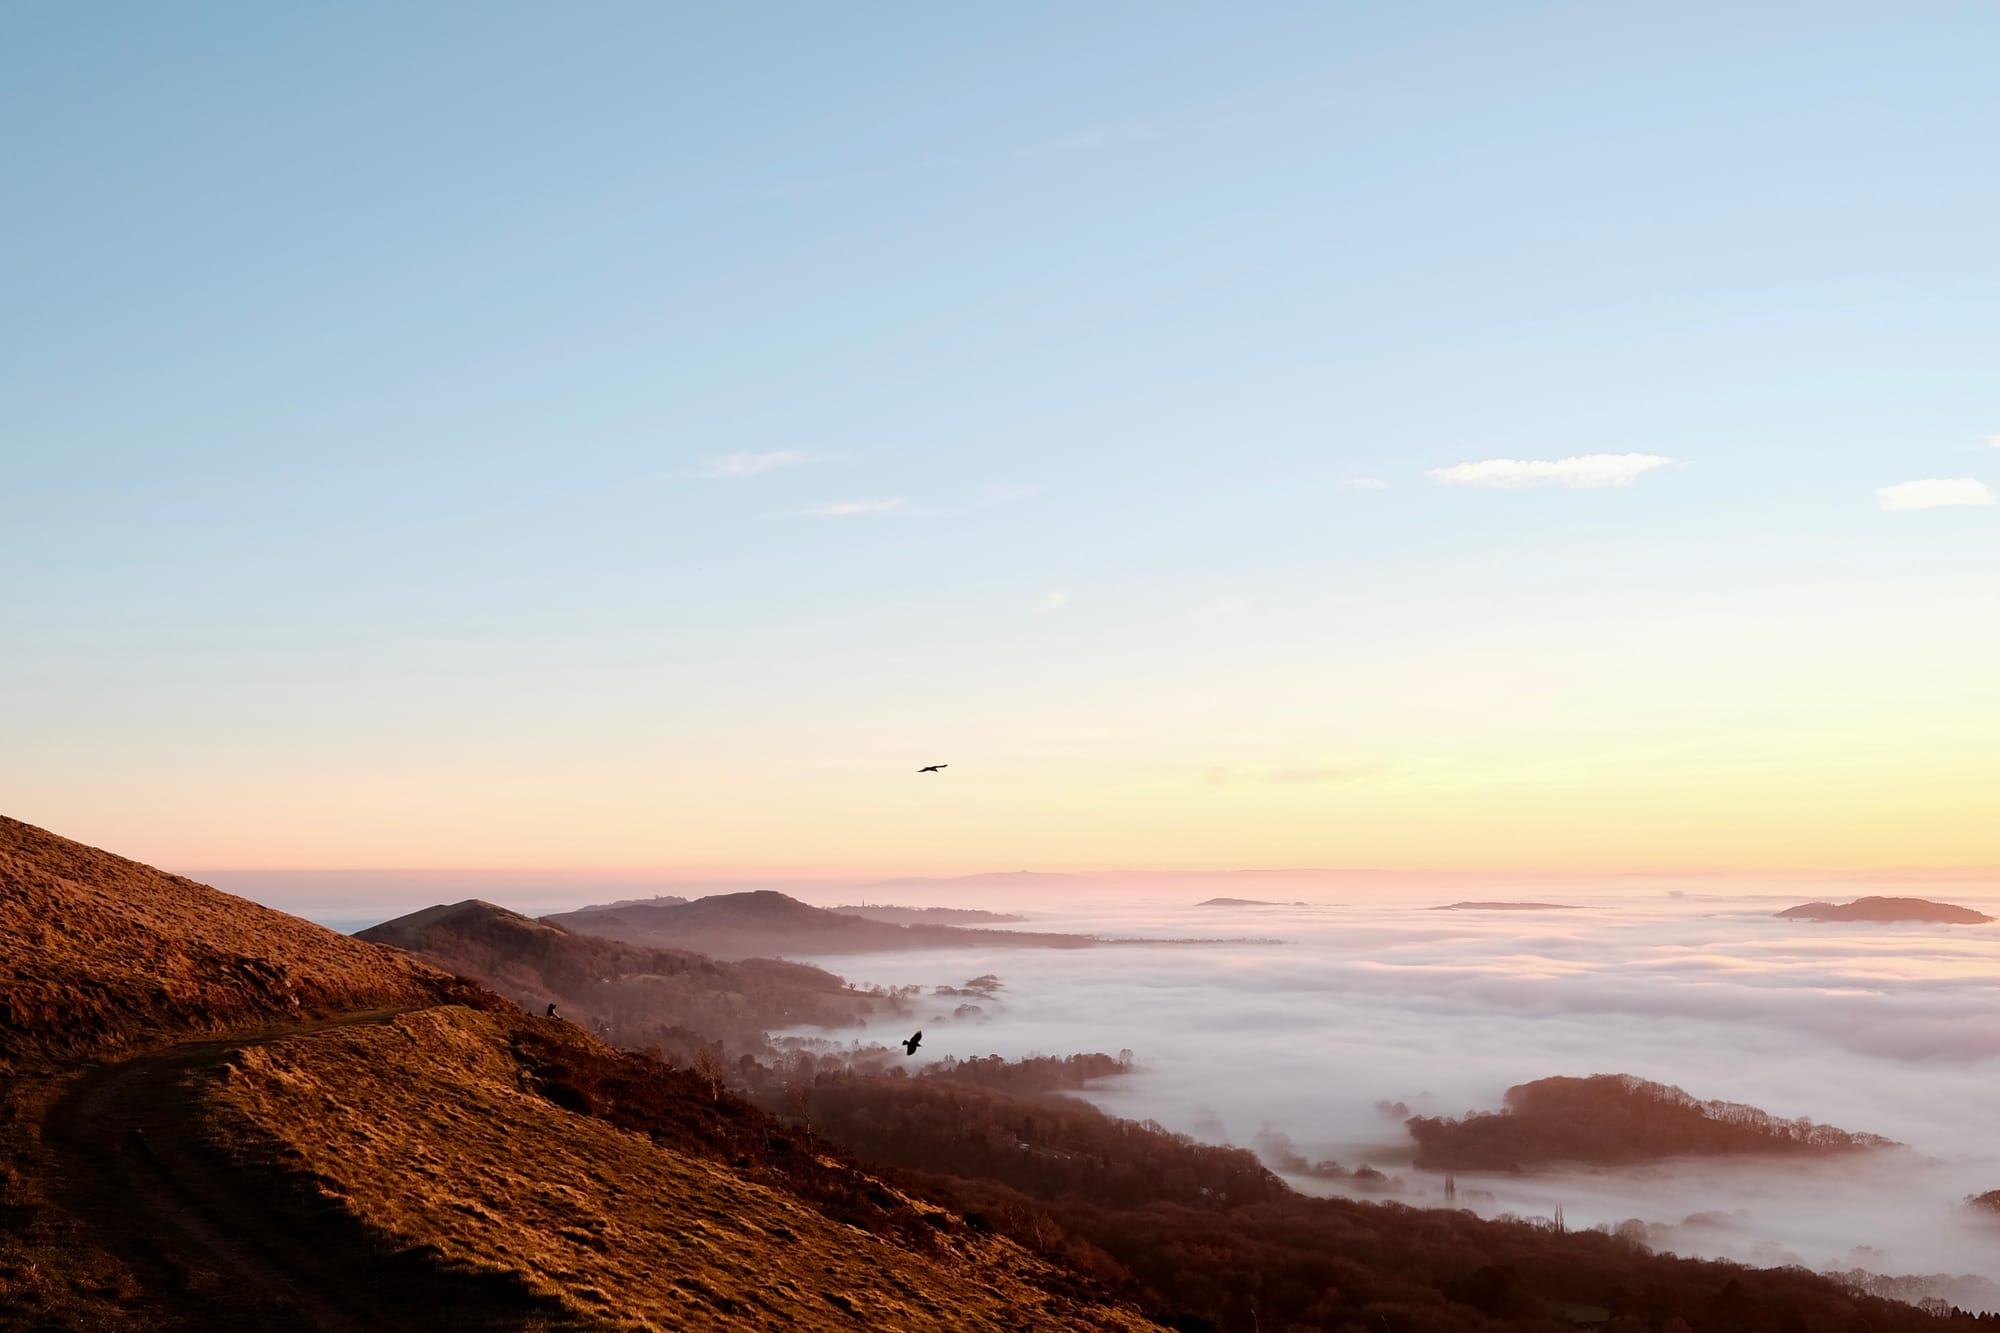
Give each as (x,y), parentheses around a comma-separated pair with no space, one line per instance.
(218,1246)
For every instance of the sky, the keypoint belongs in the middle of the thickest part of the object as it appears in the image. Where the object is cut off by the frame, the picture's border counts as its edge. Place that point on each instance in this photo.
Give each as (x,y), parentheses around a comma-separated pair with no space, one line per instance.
(1438,435)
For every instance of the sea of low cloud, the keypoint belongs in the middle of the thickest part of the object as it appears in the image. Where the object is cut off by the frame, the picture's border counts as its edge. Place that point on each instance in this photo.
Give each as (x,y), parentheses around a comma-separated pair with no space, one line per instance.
(1373,997)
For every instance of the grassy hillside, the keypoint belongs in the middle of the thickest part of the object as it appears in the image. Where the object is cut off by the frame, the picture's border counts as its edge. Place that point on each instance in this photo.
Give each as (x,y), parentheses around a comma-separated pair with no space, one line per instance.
(364,1152)
(374,1145)
(100,954)
(668,1208)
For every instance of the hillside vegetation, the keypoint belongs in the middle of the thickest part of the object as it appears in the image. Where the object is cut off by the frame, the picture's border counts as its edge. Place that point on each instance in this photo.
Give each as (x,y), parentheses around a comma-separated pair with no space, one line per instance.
(1208,1239)
(1614,1118)
(624,1192)
(378,1146)
(100,954)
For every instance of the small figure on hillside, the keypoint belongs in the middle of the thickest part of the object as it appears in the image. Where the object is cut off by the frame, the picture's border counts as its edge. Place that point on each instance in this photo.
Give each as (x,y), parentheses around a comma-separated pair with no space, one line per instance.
(910,1045)
(550,1012)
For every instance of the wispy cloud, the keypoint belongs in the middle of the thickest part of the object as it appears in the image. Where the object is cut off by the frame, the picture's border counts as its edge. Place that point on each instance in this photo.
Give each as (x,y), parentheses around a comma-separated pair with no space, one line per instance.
(1935,493)
(1365,484)
(854,508)
(1055,599)
(1583,472)
(734,467)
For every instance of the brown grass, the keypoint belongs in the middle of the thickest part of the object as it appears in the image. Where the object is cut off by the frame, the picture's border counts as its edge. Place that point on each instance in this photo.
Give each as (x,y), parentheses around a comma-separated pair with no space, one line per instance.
(53,1275)
(436,1130)
(100,955)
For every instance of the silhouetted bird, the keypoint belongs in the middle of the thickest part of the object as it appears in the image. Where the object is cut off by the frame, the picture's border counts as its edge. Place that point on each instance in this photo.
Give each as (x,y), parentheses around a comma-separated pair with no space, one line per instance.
(910,1046)
(551,1009)
(933,768)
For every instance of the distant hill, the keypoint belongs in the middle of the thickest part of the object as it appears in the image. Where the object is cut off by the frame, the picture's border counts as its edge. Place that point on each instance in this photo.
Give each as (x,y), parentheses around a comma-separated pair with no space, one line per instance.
(381,1156)
(1245,902)
(633,995)
(100,954)
(766,923)
(1506,907)
(364,1150)
(927,916)
(1884,910)
(659,900)
(1614,1118)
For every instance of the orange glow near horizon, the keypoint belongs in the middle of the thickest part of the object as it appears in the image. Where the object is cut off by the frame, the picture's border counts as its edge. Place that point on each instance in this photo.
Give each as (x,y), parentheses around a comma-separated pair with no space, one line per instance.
(1547,817)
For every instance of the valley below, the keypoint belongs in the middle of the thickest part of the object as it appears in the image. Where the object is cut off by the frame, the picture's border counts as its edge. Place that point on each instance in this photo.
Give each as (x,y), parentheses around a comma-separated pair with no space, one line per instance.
(492,1120)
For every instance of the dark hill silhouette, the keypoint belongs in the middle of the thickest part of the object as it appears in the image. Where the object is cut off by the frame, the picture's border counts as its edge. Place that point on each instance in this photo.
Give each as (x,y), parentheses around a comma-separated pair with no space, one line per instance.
(1885,910)
(657,900)
(1506,907)
(633,995)
(766,923)
(927,916)
(1615,1118)
(1245,902)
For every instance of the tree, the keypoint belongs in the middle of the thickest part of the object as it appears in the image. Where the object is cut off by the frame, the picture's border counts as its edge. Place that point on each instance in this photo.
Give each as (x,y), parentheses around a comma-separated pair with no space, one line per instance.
(800,1096)
(711,1069)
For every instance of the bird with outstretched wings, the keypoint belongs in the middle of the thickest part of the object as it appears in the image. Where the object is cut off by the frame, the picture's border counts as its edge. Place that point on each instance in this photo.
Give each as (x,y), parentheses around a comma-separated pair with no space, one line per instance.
(910,1044)
(933,768)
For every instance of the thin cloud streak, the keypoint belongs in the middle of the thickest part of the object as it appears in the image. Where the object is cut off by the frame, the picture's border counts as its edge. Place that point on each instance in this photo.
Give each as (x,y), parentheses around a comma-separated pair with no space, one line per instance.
(857,508)
(738,466)
(1934,493)
(1583,472)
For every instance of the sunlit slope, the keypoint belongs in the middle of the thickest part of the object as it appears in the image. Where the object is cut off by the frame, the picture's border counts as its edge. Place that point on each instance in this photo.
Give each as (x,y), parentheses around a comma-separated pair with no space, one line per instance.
(449,1128)
(98,953)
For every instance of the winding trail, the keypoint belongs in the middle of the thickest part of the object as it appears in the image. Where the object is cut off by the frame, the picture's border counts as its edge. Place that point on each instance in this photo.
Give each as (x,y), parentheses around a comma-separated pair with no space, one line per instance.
(222,1246)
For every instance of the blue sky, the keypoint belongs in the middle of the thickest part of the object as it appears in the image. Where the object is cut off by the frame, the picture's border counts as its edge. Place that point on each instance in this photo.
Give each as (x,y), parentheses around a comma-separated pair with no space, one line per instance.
(364,371)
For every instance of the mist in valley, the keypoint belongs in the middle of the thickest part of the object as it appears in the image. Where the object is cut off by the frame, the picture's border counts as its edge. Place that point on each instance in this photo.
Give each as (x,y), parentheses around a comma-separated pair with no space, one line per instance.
(1375,1005)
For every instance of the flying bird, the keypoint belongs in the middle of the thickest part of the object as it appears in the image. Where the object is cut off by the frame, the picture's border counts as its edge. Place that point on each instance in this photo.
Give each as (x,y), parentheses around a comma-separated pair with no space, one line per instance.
(933,768)
(910,1046)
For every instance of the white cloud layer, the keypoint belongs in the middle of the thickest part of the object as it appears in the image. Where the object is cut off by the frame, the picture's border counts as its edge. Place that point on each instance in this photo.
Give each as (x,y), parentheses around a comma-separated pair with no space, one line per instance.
(1583,472)
(735,467)
(1935,493)
(1055,599)
(1373,996)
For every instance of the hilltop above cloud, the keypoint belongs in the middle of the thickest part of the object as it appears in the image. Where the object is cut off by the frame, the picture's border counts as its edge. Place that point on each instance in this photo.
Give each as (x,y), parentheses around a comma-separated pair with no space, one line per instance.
(1886,910)
(766,923)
